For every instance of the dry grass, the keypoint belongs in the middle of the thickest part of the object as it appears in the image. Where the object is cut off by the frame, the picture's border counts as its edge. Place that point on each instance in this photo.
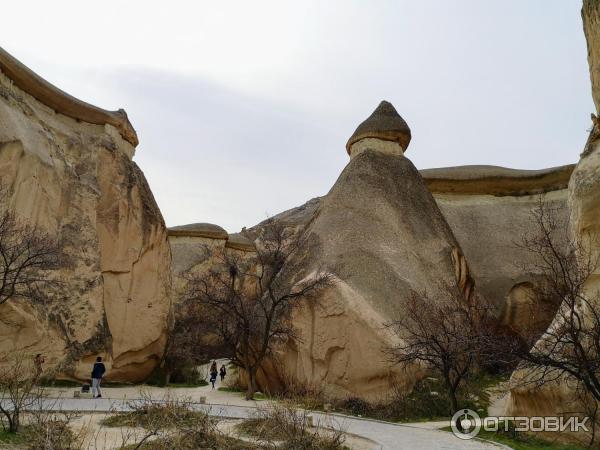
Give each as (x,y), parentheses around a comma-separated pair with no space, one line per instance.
(283,426)
(170,424)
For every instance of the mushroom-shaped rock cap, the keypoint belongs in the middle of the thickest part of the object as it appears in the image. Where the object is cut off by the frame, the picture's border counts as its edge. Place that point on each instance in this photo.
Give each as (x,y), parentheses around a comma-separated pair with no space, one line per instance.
(207,230)
(238,241)
(385,123)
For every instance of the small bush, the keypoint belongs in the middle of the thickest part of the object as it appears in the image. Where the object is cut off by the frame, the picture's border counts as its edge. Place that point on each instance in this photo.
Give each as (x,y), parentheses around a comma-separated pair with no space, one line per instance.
(283,426)
(170,424)
(150,414)
(50,431)
(356,406)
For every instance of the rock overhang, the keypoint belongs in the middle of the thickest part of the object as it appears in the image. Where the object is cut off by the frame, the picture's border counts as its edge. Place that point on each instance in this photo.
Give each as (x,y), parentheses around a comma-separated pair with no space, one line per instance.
(61,102)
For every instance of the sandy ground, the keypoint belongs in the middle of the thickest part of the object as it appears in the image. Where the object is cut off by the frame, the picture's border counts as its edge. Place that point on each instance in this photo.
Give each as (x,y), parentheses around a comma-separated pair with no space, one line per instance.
(213,396)
(98,437)
(364,433)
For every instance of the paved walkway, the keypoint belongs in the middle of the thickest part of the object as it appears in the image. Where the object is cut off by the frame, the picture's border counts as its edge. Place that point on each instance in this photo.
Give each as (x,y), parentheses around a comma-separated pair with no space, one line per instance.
(384,435)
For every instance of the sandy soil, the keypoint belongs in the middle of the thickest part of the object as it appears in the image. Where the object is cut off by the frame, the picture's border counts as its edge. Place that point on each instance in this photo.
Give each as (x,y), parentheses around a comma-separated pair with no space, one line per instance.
(98,437)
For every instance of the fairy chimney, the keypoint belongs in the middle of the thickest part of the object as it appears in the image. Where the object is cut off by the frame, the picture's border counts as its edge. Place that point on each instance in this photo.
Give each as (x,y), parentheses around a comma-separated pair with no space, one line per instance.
(383,131)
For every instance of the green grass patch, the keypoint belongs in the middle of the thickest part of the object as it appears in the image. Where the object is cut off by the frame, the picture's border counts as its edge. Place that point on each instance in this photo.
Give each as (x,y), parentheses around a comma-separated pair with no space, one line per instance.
(427,401)
(22,437)
(523,441)
(257,396)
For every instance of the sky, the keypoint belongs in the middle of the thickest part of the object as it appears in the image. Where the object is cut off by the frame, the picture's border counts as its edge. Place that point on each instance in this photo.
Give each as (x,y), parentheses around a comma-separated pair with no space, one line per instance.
(243,108)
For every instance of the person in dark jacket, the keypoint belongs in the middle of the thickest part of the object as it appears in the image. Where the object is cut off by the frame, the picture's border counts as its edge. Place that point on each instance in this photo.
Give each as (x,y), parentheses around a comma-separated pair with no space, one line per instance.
(213,373)
(97,374)
(222,372)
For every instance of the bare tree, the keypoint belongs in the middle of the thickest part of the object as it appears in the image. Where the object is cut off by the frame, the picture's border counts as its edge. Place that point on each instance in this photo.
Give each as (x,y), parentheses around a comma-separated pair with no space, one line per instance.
(569,350)
(446,335)
(187,346)
(249,304)
(19,390)
(28,255)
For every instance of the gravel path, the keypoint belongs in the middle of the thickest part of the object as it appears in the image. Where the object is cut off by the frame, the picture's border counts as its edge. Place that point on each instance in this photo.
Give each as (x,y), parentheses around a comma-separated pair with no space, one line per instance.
(385,435)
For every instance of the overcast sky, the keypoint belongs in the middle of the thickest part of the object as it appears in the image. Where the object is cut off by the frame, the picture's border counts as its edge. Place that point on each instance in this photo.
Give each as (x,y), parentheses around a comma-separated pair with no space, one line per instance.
(243,108)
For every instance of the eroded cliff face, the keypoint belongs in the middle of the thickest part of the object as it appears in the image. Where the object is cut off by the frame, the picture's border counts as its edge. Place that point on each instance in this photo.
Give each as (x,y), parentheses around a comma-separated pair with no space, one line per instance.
(590,13)
(584,220)
(490,229)
(77,181)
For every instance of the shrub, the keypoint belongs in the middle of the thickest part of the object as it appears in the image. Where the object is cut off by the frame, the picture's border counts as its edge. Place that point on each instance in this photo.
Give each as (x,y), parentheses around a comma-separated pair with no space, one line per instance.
(283,426)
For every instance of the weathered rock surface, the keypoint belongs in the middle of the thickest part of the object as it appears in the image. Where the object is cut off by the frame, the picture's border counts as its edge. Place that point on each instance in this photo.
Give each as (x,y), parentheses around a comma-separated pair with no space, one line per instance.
(76,180)
(584,210)
(380,232)
(590,14)
(488,208)
(489,229)
(384,130)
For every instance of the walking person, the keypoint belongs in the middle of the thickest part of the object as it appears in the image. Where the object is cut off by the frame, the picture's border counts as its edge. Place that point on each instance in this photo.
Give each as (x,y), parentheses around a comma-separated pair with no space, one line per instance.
(213,373)
(97,374)
(222,372)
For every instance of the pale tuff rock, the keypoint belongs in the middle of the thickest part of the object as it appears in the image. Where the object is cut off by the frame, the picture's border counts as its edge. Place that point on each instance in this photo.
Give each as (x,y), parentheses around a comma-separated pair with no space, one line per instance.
(206,230)
(61,102)
(488,229)
(76,180)
(382,236)
(496,181)
(486,221)
(238,241)
(378,145)
(584,209)
(198,247)
(590,14)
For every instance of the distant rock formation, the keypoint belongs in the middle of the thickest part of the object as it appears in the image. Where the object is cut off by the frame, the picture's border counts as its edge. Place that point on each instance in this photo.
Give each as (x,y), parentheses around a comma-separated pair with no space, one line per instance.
(68,169)
(489,211)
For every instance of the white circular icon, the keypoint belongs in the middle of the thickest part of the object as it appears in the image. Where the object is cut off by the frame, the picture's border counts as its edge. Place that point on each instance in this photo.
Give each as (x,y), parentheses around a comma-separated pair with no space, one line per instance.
(470,422)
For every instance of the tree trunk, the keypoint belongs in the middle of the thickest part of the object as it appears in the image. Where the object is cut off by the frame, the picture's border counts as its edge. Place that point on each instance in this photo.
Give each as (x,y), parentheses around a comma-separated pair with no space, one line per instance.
(14,423)
(454,407)
(251,388)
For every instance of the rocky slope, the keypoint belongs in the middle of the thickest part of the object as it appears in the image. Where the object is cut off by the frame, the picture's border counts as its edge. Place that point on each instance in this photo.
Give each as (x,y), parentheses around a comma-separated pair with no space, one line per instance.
(68,169)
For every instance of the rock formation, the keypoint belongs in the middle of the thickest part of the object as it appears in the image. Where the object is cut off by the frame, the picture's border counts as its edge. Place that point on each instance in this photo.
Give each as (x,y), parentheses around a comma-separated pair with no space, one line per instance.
(195,246)
(381,234)
(68,168)
(489,210)
(384,131)
(584,209)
